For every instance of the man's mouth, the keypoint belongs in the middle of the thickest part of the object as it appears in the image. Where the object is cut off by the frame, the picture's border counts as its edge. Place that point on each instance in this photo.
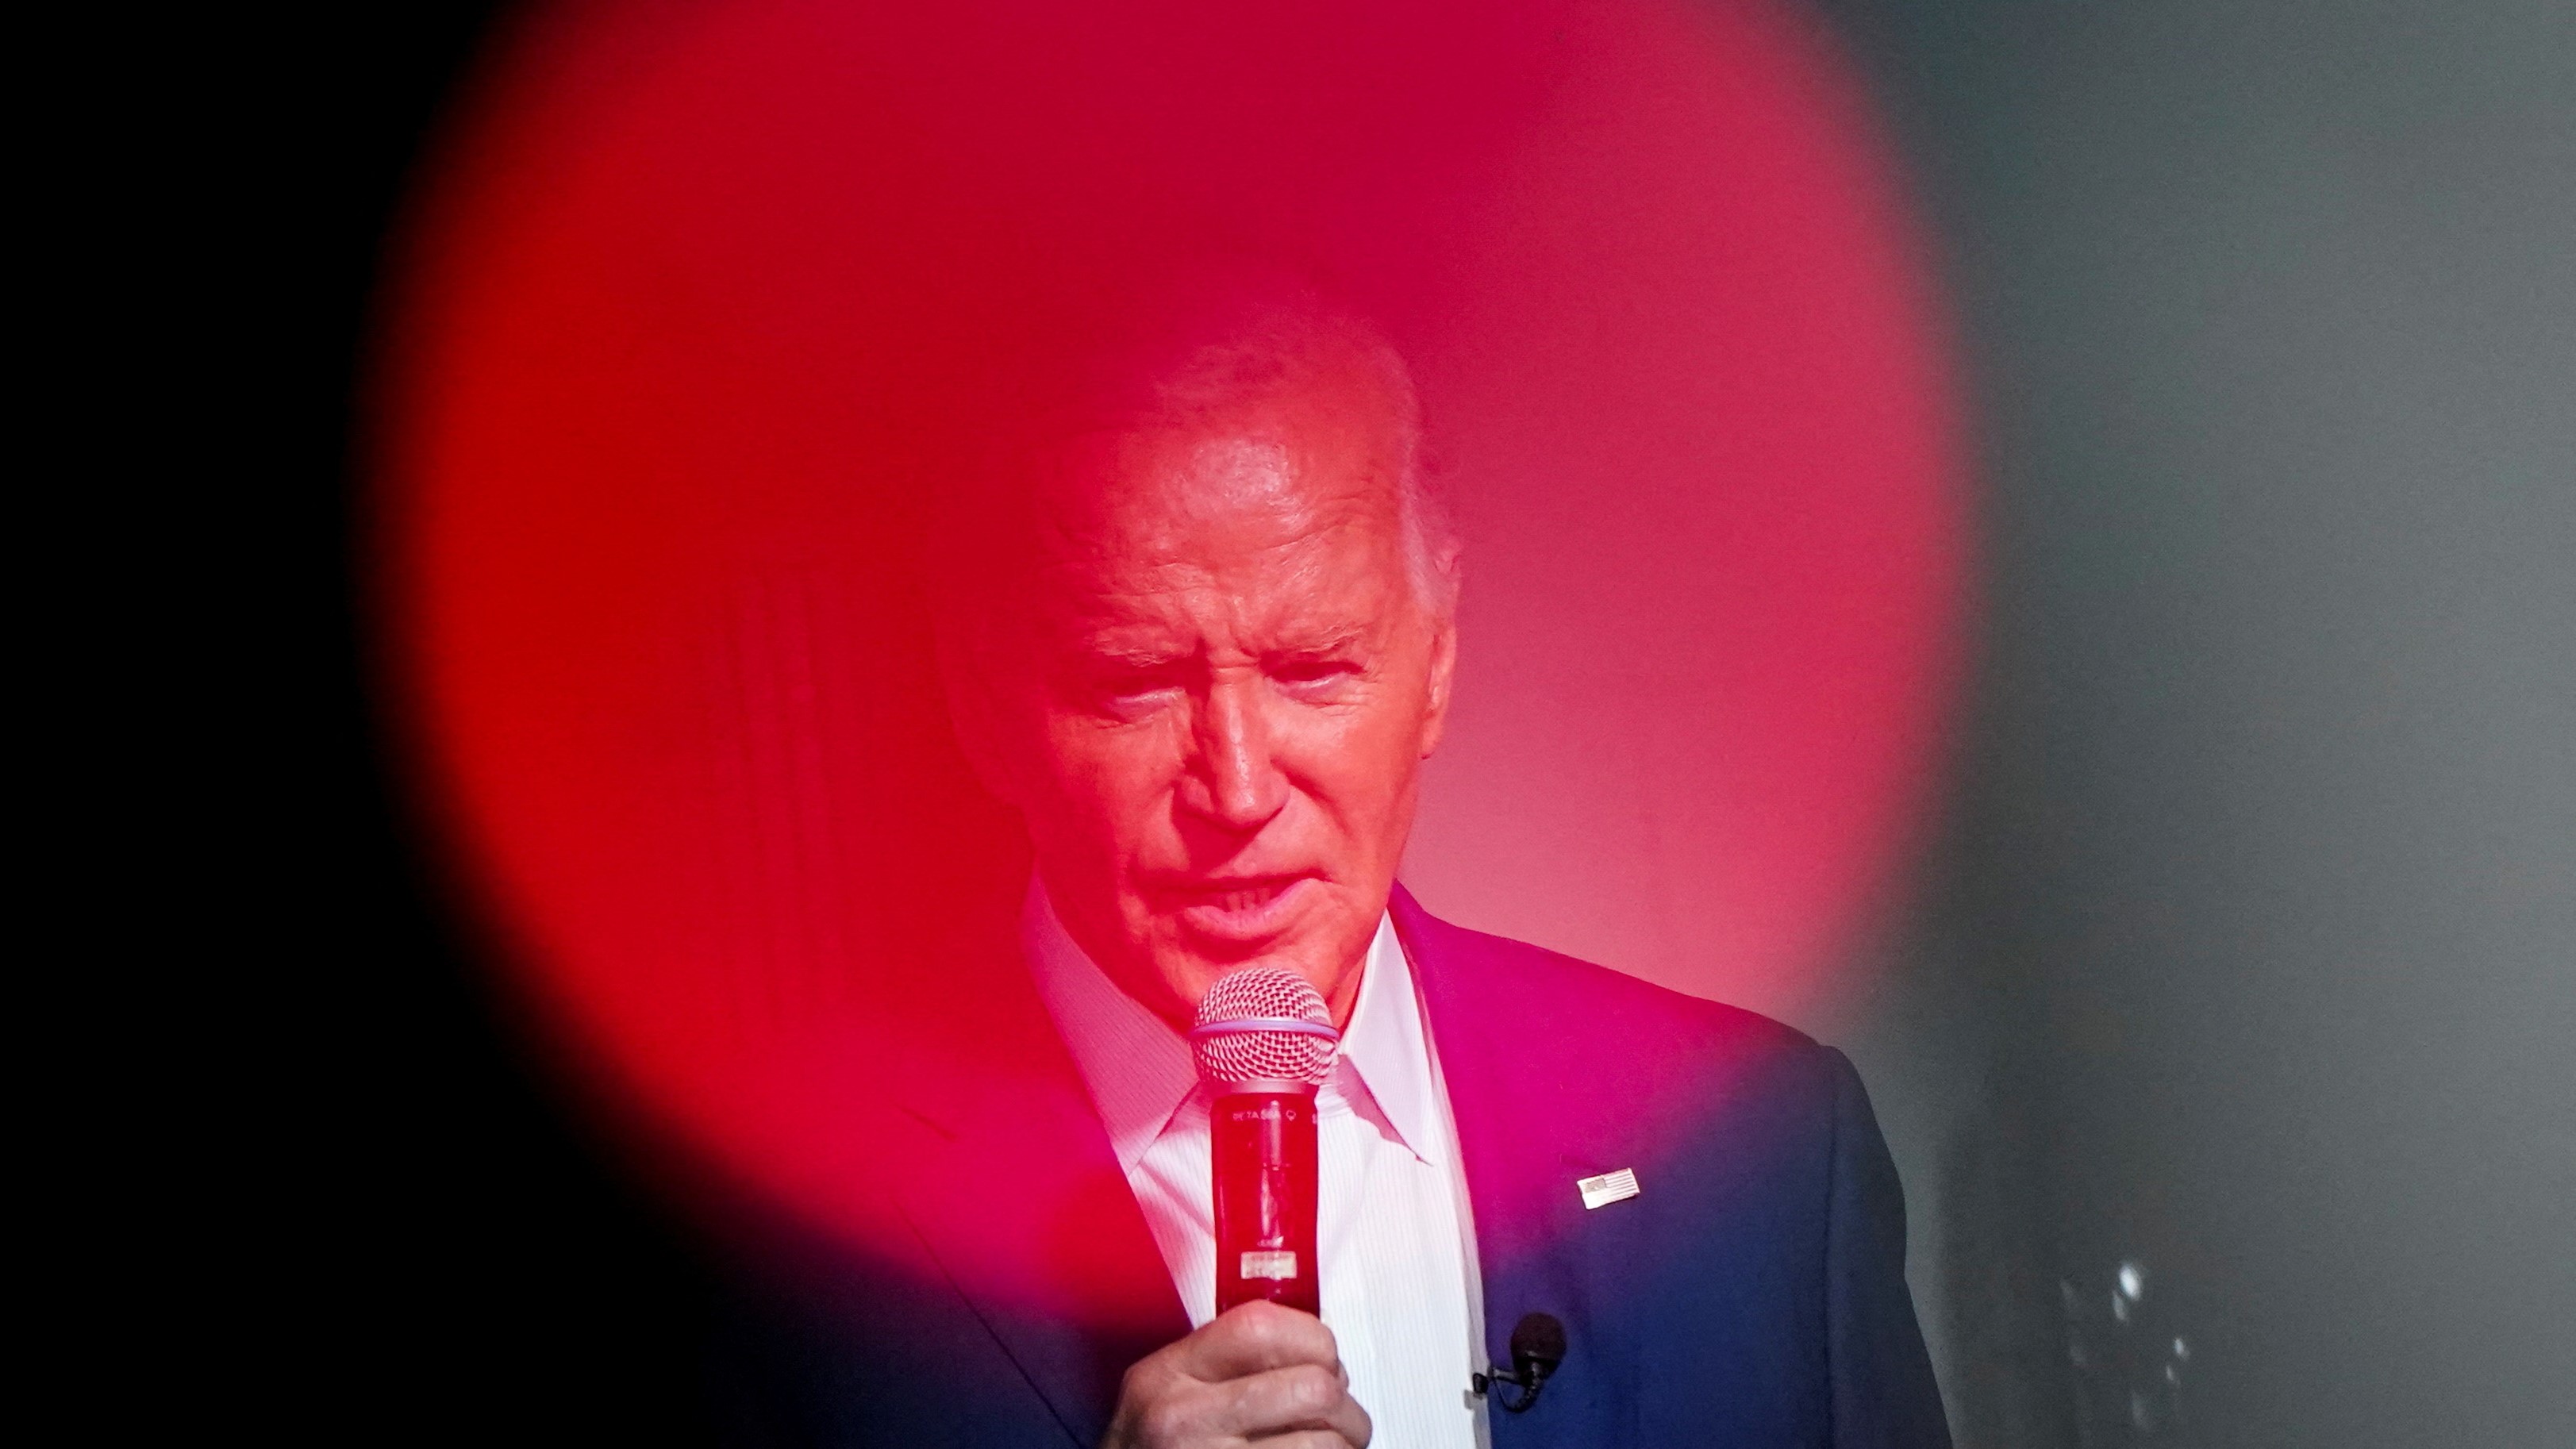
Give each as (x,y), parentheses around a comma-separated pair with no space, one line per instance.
(1235,908)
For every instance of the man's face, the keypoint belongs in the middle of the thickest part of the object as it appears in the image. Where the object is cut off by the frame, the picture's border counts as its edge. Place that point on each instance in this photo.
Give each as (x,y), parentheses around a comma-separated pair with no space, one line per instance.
(1213,708)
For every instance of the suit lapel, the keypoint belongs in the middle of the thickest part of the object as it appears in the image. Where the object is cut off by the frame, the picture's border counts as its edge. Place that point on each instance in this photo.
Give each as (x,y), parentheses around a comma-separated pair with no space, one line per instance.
(1526,1131)
(1016,1192)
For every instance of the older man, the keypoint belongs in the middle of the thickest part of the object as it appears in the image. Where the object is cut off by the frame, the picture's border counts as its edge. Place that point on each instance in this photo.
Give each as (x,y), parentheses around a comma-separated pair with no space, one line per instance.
(1200,633)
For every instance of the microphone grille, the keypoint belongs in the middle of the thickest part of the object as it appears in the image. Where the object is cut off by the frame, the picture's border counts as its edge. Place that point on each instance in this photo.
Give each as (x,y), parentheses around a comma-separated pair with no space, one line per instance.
(1264,1024)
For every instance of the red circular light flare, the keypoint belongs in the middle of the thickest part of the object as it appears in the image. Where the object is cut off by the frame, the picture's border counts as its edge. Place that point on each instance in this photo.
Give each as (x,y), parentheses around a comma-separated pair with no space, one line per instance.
(678,350)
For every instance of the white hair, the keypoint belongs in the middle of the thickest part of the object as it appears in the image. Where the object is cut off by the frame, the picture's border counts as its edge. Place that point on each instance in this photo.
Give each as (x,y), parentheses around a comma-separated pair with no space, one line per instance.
(1194,346)
(1280,339)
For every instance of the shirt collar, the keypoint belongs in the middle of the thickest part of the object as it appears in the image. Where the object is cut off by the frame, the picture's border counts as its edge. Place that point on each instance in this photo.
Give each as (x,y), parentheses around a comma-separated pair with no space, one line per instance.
(1385,1050)
(1140,1072)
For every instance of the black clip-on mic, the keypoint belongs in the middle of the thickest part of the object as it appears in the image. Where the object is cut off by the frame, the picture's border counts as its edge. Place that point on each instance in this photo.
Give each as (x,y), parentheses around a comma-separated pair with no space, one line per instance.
(1538,1346)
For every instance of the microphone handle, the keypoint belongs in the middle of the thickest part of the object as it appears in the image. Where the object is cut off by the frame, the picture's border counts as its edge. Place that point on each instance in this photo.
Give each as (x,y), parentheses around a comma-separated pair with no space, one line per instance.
(1263,1140)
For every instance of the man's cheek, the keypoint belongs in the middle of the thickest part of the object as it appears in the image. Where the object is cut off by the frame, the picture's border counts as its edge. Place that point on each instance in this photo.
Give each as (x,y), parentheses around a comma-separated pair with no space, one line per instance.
(1115,794)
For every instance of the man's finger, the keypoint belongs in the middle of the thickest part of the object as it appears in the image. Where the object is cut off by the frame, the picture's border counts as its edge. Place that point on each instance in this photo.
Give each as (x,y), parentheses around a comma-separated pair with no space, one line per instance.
(1311,1439)
(1256,1338)
(1307,1398)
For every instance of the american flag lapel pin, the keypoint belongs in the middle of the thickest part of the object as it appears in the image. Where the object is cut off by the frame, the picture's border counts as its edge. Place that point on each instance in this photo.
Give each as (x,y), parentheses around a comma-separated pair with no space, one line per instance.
(1608,1188)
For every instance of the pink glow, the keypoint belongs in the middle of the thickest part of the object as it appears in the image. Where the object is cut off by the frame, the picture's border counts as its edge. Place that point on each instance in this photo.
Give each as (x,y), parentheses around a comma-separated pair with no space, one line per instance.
(675,354)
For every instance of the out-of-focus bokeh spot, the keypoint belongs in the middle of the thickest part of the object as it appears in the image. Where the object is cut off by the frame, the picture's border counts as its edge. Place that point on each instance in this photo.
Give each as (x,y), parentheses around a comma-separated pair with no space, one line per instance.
(706,298)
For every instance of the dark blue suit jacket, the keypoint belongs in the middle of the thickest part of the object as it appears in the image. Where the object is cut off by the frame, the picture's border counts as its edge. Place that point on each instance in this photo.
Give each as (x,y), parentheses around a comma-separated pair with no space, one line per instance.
(1751,1295)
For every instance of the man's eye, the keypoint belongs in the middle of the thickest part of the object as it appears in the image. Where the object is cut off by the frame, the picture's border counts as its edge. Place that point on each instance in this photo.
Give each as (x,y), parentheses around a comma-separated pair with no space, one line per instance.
(1313,671)
(1133,689)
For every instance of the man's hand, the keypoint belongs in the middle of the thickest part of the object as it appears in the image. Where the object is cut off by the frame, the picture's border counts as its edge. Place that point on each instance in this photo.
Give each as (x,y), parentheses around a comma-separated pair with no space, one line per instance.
(1257,1373)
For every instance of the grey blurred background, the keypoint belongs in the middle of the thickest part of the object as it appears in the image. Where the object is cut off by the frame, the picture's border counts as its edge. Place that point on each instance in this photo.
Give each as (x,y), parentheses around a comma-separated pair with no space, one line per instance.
(2247,950)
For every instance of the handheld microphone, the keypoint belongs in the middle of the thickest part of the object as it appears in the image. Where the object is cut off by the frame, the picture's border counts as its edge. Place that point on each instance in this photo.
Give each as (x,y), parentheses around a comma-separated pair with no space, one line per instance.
(1264,1042)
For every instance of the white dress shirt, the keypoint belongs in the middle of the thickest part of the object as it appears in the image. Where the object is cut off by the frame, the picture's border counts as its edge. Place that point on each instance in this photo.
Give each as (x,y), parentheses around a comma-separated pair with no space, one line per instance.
(1396,1238)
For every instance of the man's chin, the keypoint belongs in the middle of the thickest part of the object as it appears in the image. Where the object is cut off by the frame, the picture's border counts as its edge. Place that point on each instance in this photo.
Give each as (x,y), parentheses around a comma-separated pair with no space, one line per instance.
(1308,947)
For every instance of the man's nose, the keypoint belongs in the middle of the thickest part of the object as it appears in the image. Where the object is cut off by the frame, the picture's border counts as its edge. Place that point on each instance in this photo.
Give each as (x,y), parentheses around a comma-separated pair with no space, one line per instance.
(1237,783)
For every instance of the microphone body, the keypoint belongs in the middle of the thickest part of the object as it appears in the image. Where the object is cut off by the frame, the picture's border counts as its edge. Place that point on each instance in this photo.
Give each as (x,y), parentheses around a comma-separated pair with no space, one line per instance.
(1264,1042)
(1263,1136)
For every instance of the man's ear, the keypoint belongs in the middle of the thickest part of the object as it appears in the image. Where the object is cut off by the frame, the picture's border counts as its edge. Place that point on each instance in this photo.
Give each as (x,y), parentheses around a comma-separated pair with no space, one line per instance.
(1444,671)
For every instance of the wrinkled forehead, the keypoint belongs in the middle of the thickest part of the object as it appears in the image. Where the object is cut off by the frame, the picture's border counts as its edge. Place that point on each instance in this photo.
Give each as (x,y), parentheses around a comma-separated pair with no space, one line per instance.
(1174,491)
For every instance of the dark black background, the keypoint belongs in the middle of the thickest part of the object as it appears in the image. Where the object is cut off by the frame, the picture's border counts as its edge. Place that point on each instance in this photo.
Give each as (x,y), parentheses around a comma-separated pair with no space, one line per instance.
(449,1252)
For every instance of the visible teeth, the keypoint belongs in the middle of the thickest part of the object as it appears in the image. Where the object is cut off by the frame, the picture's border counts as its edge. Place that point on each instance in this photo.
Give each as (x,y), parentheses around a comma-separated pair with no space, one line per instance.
(1249,898)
